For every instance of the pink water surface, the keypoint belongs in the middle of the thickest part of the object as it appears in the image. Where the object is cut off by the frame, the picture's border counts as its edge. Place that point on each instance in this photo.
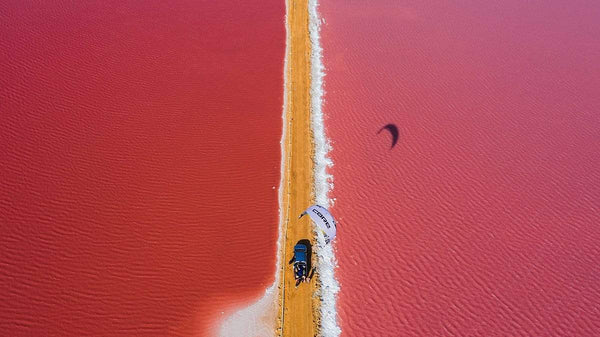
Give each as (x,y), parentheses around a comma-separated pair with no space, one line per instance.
(484,219)
(139,151)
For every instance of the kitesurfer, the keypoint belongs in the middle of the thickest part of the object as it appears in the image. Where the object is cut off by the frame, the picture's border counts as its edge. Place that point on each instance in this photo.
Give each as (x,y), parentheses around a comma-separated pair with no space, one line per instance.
(300,273)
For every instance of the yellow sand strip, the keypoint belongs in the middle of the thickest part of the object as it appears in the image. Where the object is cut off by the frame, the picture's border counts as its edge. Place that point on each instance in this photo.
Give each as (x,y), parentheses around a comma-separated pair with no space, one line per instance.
(299,314)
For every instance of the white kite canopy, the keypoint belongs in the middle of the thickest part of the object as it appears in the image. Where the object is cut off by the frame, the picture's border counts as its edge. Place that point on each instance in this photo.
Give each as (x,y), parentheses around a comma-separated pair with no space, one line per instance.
(321,216)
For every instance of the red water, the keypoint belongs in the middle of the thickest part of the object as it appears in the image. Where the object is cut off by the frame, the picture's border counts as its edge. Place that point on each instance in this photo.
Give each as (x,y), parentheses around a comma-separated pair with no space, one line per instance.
(484,219)
(139,150)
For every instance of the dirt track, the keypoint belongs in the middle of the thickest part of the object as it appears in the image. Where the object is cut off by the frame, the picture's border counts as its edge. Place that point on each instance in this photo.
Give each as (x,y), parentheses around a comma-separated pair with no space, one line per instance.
(299,314)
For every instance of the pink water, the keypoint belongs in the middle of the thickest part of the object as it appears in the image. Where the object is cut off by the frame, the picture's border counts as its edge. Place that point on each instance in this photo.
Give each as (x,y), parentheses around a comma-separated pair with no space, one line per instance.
(139,160)
(484,219)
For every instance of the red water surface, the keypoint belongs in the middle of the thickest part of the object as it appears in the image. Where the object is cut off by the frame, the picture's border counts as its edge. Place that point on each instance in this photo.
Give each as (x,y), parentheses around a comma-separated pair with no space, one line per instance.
(484,219)
(139,151)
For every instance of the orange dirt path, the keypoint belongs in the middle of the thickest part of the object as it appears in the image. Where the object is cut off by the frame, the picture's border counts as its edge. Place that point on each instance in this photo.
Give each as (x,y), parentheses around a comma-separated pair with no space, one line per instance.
(299,314)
